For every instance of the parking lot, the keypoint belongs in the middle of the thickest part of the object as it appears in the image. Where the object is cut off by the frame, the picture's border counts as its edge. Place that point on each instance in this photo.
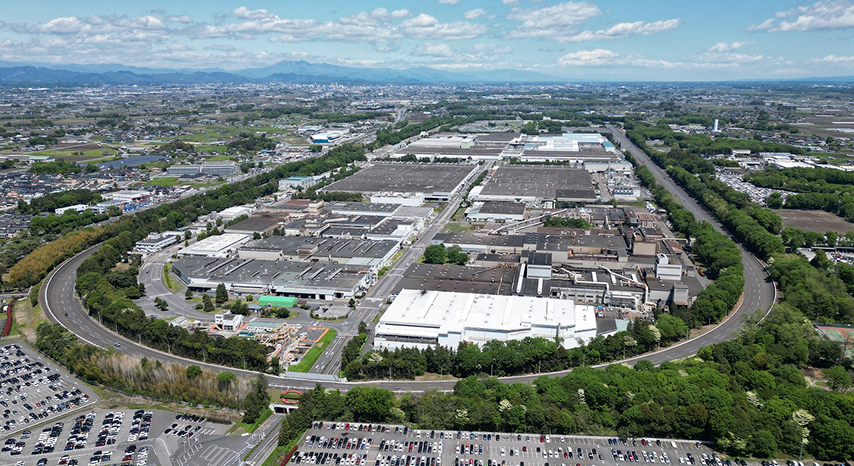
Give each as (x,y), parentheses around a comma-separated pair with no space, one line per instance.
(352,444)
(33,390)
(100,437)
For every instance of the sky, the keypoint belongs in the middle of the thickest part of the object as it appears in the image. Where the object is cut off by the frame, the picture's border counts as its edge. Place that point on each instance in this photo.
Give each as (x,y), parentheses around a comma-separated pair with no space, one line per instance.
(622,40)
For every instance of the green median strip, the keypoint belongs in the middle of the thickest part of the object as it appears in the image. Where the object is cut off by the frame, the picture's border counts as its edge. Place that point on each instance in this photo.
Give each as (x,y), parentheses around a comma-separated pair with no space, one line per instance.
(314,353)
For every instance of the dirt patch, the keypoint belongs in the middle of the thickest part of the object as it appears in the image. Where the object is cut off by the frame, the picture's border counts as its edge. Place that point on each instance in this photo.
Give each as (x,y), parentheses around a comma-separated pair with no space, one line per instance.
(113,400)
(817,221)
(27,318)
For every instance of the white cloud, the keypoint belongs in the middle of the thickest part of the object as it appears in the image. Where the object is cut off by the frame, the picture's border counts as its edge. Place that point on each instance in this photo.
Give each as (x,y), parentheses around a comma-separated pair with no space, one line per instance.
(552,22)
(834,14)
(475,13)
(622,30)
(433,50)
(833,59)
(246,13)
(604,57)
(425,26)
(726,46)
(595,57)
(179,19)
(449,2)
(510,2)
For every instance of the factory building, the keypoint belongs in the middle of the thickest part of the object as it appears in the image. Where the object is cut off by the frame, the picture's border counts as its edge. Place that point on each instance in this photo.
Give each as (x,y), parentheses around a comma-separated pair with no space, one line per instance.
(280,278)
(216,246)
(152,245)
(496,211)
(364,254)
(421,319)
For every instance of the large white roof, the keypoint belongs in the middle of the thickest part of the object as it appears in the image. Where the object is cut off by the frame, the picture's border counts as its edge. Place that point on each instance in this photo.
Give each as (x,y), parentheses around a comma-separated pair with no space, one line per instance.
(451,311)
(215,244)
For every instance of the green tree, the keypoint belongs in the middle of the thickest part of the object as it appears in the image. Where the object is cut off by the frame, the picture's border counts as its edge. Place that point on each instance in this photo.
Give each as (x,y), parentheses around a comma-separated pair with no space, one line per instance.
(161,304)
(820,261)
(225,378)
(208,306)
(435,254)
(763,444)
(188,295)
(256,401)
(221,294)
(837,378)
(774,200)
(193,371)
(370,403)
(286,434)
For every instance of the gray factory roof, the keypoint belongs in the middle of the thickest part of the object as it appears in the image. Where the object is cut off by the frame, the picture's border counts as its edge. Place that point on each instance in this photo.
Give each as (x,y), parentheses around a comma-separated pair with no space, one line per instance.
(483,280)
(497,137)
(451,151)
(513,241)
(280,274)
(563,242)
(254,225)
(349,207)
(540,182)
(336,248)
(502,207)
(404,178)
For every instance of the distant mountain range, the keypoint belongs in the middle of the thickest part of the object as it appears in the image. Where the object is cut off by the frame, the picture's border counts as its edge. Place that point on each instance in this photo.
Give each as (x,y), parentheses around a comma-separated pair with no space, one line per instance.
(42,74)
(298,72)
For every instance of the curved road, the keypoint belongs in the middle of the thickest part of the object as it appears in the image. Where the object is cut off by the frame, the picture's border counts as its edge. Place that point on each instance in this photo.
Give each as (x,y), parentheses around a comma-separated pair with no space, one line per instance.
(62,306)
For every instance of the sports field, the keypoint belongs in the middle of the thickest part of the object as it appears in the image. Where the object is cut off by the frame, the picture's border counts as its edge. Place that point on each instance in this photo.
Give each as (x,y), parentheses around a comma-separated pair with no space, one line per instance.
(843,335)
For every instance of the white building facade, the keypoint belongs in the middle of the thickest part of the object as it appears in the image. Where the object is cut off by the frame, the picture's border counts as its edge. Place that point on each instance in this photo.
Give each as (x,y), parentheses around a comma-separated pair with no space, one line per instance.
(420,319)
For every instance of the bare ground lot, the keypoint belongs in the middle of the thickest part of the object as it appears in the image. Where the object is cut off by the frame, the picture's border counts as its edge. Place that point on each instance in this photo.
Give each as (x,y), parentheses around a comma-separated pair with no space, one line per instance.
(814,220)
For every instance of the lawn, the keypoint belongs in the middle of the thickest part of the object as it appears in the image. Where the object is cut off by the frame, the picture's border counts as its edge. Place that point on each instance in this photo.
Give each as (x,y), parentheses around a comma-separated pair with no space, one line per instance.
(455,227)
(70,154)
(173,285)
(314,353)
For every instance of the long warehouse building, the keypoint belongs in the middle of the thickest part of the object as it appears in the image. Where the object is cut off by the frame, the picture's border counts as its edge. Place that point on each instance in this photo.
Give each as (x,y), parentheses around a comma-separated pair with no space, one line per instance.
(421,319)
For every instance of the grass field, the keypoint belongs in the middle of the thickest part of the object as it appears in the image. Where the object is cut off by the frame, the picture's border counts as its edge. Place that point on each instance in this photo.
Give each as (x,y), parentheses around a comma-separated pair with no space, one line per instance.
(314,353)
(817,221)
(455,227)
(210,133)
(173,285)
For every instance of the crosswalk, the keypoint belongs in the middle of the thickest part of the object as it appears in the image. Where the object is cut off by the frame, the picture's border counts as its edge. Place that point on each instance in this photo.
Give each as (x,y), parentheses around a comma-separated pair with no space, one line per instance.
(215,455)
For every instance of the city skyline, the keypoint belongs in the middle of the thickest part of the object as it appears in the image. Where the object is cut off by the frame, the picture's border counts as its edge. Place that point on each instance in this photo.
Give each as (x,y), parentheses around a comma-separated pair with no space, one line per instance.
(585,40)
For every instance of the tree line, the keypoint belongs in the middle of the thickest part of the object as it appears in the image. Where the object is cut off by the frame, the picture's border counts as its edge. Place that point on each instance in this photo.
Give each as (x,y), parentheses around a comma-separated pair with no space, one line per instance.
(52,201)
(753,226)
(140,376)
(514,357)
(748,395)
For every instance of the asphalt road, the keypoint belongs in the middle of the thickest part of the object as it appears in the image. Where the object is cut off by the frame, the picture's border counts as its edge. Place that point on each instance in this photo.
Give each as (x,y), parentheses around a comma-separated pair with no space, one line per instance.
(63,307)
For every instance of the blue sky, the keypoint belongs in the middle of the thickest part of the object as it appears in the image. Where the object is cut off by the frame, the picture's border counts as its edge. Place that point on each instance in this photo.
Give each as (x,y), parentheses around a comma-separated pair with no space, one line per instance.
(596,39)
